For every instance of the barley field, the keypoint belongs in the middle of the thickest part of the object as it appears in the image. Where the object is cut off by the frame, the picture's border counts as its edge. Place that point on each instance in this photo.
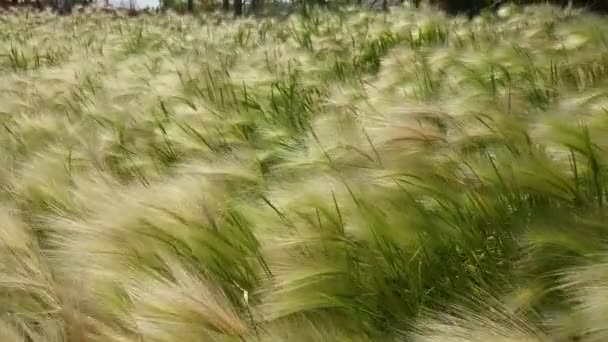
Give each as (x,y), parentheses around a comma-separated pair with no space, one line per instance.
(328,176)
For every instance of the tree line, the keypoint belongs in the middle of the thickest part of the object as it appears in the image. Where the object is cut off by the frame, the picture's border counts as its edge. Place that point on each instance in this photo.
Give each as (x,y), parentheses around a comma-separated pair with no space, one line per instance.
(468,7)
(256,7)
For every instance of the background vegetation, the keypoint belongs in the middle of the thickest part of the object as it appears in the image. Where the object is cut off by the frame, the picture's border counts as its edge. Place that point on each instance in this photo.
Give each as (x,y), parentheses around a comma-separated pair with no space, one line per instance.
(329,176)
(274,7)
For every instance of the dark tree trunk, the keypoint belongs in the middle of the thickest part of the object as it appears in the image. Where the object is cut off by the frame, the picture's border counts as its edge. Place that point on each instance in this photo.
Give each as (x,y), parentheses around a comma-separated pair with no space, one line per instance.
(257,6)
(226,5)
(190,5)
(238,7)
(385,5)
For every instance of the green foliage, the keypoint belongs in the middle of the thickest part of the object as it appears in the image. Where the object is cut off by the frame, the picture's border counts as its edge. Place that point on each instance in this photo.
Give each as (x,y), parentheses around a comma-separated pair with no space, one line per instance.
(329,176)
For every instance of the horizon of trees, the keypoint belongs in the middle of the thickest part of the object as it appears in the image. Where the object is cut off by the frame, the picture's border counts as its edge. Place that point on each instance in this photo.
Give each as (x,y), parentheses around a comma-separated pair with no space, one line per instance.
(257,7)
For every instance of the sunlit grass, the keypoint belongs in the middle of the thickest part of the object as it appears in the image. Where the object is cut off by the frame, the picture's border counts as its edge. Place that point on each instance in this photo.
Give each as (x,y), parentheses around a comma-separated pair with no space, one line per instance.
(338,175)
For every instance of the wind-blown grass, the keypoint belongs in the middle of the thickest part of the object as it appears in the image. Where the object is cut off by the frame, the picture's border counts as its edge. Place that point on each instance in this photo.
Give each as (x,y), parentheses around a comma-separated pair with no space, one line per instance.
(328,176)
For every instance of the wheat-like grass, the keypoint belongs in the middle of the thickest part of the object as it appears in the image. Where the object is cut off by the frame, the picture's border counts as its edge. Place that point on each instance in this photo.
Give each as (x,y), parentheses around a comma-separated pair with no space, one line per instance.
(332,175)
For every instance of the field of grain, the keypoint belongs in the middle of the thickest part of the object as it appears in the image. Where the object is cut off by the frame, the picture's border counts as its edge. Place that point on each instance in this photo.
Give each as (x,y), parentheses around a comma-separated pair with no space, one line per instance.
(329,176)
